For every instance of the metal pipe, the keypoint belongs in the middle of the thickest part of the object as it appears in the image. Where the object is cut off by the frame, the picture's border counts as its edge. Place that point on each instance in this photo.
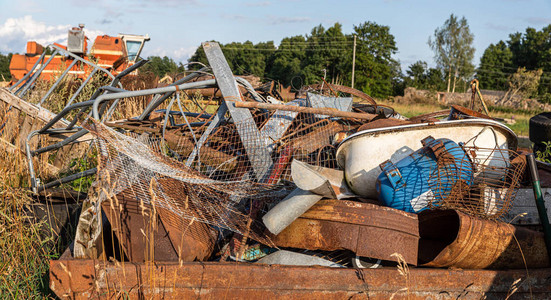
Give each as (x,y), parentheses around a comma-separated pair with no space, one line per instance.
(185,86)
(30,161)
(57,82)
(320,111)
(289,209)
(67,179)
(542,211)
(451,238)
(156,102)
(75,119)
(127,71)
(36,74)
(74,137)
(64,112)
(82,86)
(41,58)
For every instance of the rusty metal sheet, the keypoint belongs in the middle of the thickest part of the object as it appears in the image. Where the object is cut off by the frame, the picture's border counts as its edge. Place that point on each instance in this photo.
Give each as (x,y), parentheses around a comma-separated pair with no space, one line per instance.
(453,239)
(133,230)
(84,279)
(367,229)
(173,237)
(318,138)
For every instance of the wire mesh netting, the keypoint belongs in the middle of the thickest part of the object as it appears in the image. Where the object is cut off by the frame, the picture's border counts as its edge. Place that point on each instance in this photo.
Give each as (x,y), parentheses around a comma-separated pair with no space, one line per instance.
(482,183)
(216,175)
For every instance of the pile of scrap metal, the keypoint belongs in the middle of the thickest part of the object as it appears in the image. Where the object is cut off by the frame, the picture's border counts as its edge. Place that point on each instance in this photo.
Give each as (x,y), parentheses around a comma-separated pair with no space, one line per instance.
(211,201)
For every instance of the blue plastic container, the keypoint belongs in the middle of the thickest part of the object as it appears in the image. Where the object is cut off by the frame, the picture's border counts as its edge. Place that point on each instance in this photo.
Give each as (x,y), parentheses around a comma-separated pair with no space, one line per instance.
(428,174)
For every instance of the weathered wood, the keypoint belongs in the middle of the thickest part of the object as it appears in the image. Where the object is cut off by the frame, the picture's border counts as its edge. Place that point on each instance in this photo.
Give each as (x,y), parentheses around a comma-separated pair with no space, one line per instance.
(28,108)
(320,111)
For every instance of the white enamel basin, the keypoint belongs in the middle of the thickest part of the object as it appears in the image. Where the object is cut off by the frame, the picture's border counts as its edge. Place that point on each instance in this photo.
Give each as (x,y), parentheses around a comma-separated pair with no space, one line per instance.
(360,154)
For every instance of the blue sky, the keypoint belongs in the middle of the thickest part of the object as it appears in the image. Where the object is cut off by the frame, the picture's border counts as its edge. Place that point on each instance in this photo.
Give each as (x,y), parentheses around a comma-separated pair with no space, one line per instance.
(177,27)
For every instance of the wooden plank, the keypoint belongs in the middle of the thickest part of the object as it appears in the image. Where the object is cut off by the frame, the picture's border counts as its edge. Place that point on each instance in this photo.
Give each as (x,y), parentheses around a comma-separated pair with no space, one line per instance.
(28,108)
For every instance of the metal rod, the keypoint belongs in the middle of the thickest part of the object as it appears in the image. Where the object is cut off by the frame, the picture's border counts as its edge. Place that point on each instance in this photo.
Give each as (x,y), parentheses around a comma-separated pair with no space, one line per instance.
(41,58)
(74,137)
(187,113)
(185,86)
(67,179)
(82,86)
(127,71)
(36,74)
(320,111)
(161,98)
(540,204)
(57,82)
(64,112)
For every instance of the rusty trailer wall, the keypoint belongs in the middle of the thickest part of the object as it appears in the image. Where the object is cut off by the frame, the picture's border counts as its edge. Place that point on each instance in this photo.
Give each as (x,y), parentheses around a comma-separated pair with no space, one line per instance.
(84,279)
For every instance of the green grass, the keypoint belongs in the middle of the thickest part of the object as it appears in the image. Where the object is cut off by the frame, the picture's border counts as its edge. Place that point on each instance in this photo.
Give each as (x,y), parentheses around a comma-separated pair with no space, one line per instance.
(521,117)
(25,252)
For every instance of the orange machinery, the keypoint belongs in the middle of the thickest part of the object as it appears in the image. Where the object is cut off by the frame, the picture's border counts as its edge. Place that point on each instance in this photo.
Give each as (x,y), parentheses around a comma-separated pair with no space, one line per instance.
(112,53)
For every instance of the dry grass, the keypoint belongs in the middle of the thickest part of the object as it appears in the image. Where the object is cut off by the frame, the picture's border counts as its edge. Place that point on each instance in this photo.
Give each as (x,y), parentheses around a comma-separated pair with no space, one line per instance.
(25,252)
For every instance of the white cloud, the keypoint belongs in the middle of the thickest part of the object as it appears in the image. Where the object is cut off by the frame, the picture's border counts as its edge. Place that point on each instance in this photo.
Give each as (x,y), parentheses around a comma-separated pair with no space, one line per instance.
(15,33)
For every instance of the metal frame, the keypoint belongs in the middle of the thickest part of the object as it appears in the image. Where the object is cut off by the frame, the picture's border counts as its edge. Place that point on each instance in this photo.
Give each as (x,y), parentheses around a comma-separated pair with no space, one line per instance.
(96,107)
(27,82)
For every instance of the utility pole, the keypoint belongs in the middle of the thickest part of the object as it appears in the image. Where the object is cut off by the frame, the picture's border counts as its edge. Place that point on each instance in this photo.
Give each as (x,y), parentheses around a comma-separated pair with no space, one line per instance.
(353,61)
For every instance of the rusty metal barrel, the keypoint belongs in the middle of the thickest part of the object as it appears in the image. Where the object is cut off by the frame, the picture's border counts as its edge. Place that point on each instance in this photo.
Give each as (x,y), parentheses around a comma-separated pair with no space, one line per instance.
(453,239)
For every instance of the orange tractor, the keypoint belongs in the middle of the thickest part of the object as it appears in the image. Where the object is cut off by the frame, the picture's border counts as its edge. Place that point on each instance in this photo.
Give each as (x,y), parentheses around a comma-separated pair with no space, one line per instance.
(113,54)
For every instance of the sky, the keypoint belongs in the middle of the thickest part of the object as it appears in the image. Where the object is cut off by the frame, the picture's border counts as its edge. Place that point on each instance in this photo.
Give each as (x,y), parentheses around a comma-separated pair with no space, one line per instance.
(177,27)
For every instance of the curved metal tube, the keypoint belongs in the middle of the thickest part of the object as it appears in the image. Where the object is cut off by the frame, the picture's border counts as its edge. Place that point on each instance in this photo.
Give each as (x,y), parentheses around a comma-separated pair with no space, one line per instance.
(156,102)
(185,86)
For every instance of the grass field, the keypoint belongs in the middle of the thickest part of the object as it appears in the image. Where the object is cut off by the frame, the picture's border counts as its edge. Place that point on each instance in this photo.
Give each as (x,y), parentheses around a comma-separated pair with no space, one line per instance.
(520,127)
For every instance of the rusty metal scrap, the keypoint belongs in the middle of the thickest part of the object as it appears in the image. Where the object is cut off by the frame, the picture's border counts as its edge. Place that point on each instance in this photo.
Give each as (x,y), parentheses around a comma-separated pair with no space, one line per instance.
(84,279)
(367,229)
(453,239)
(138,227)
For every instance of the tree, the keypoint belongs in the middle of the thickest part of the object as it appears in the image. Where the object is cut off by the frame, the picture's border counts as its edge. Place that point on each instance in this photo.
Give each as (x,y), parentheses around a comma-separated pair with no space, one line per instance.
(161,66)
(417,74)
(375,66)
(325,55)
(285,63)
(5,74)
(523,83)
(323,52)
(495,63)
(421,77)
(532,50)
(452,46)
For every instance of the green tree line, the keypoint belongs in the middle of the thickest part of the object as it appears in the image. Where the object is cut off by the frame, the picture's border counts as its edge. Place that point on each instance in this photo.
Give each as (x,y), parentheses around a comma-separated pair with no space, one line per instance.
(504,62)
(323,53)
